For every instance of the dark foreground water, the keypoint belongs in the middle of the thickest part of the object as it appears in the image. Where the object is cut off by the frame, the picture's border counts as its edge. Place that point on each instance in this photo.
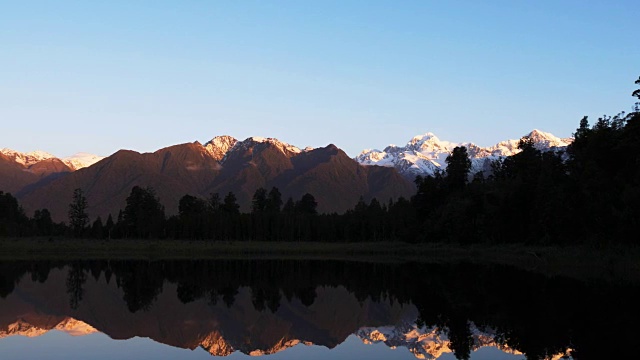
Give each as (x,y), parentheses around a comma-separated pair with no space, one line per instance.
(307,309)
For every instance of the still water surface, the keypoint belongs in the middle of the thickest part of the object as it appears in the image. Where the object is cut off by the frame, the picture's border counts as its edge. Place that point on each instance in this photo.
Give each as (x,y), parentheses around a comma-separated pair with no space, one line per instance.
(306,309)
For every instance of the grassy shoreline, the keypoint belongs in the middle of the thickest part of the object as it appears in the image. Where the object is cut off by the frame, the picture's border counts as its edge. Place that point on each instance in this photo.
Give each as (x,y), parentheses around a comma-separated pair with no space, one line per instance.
(612,264)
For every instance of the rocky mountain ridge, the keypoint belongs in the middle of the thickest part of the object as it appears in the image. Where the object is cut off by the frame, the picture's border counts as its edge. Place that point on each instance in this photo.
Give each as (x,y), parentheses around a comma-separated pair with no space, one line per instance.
(425,154)
(225,164)
(75,162)
(221,165)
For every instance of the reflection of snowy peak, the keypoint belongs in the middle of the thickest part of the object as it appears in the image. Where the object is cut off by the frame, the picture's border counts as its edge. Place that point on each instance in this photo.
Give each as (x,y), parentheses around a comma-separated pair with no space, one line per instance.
(216,345)
(431,343)
(69,325)
(425,154)
(424,343)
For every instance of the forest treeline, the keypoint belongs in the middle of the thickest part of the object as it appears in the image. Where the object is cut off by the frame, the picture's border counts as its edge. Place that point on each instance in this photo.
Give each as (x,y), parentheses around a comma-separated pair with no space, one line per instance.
(587,193)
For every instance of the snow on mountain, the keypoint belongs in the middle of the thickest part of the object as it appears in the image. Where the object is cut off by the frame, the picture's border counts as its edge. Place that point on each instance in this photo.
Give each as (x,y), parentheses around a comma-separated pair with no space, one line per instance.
(425,154)
(220,146)
(81,160)
(75,162)
(26,159)
(284,147)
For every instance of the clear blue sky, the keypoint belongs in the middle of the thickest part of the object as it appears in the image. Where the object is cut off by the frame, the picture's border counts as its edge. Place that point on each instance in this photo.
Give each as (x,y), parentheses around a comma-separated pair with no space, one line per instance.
(98,76)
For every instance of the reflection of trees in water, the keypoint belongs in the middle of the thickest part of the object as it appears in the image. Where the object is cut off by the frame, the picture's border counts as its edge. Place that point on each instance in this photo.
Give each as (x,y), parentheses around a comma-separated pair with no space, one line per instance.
(141,283)
(534,314)
(75,280)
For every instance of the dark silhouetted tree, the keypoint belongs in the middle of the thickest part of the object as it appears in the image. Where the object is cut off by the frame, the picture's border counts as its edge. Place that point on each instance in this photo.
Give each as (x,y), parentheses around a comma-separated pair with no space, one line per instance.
(193,216)
(108,226)
(307,205)
(43,223)
(259,201)
(230,204)
(97,229)
(144,215)
(78,217)
(12,217)
(458,166)
(274,201)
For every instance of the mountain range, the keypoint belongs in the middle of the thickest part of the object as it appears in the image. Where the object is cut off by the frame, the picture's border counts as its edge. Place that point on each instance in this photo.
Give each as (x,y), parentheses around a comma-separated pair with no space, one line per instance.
(225,164)
(425,154)
(221,165)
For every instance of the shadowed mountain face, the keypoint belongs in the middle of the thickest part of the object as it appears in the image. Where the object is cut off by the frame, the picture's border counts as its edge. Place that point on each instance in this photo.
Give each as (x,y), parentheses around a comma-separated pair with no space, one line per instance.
(335,180)
(172,172)
(15,176)
(263,307)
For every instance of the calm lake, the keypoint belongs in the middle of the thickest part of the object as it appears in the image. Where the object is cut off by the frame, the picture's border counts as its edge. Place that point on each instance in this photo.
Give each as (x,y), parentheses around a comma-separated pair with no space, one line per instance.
(293,309)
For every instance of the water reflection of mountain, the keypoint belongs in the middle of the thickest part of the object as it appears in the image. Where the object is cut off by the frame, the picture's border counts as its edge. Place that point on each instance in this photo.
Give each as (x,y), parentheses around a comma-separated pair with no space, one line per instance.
(261,307)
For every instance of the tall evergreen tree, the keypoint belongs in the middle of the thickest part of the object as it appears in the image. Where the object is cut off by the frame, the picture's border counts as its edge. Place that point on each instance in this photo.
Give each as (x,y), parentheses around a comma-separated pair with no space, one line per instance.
(274,201)
(78,217)
(43,223)
(307,205)
(144,215)
(259,201)
(458,166)
(230,204)
(12,216)
(97,229)
(108,226)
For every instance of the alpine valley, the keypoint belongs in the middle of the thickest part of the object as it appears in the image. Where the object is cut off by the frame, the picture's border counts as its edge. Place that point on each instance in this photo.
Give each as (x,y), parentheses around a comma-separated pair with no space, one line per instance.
(225,164)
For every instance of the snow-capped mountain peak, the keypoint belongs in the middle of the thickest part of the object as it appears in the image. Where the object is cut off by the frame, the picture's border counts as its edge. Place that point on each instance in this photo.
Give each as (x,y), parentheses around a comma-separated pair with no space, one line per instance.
(75,162)
(26,159)
(255,140)
(219,145)
(81,160)
(425,154)
(284,147)
(548,140)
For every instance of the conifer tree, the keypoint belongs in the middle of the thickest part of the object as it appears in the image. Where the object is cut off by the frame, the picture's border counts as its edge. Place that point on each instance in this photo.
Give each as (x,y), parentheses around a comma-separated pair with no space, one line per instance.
(78,217)
(458,166)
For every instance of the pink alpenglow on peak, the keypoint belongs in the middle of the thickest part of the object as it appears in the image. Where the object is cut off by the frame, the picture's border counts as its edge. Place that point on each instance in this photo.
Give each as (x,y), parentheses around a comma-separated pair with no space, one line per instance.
(75,162)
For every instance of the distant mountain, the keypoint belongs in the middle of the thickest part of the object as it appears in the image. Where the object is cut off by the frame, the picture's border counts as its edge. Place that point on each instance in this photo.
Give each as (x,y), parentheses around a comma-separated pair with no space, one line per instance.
(224,164)
(74,162)
(81,160)
(16,176)
(425,154)
(221,165)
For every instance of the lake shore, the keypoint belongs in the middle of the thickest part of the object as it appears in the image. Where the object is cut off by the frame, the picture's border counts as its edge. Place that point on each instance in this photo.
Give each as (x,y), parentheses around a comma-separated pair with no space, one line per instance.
(617,264)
